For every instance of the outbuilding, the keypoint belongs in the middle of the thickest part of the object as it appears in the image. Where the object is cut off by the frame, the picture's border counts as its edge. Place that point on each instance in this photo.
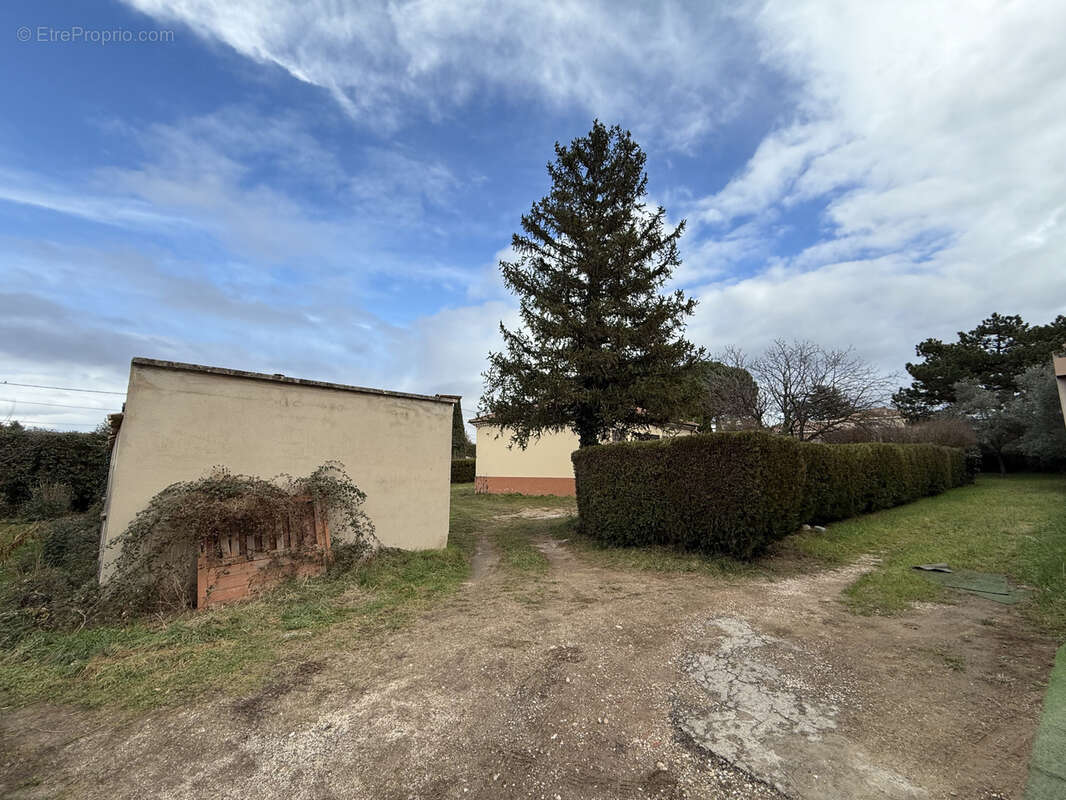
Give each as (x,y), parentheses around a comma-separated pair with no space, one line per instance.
(182,420)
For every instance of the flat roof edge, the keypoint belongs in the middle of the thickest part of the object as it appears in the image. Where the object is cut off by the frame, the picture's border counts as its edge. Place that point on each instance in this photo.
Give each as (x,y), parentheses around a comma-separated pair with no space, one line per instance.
(179,366)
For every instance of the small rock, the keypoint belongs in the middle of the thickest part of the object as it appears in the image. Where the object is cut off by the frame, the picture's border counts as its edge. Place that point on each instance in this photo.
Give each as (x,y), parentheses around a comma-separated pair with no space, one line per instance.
(819,528)
(660,766)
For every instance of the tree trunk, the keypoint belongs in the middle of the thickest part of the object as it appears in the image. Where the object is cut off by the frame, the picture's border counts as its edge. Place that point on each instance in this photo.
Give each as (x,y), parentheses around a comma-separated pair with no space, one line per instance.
(1002,466)
(587,437)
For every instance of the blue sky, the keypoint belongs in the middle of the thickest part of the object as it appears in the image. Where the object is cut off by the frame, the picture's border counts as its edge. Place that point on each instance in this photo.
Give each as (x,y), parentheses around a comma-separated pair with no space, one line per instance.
(324,189)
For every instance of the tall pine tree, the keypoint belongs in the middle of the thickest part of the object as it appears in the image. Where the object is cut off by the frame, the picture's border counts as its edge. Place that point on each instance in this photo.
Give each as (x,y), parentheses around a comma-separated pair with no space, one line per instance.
(991,356)
(600,348)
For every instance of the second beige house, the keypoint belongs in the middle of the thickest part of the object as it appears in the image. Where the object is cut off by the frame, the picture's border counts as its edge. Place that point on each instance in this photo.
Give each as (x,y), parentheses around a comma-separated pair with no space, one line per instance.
(544,467)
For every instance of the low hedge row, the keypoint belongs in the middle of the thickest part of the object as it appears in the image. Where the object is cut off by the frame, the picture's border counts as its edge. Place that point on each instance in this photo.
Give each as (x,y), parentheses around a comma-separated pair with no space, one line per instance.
(463,470)
(734,493)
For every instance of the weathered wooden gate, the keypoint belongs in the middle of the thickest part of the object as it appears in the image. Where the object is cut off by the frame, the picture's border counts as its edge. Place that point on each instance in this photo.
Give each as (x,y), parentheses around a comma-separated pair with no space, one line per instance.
(233,567)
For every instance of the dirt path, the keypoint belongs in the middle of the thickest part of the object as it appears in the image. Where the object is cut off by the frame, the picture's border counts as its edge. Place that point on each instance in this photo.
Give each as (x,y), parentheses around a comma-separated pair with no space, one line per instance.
(592,683)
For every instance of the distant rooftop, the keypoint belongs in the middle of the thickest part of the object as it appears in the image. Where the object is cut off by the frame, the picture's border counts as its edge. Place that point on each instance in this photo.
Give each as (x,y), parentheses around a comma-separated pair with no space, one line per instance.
(279,378)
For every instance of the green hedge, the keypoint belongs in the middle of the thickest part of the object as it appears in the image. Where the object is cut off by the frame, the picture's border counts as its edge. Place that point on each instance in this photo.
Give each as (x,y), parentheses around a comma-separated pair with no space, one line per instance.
(734,493)
(463,470)
(31,457)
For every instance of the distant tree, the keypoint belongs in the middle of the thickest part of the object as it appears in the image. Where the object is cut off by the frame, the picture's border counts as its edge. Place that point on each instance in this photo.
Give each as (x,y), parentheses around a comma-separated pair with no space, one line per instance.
(811,391)
(600,349)
(991,416)
(991,356)
(461,444)
(729,398)
(1036,410)
(947,430)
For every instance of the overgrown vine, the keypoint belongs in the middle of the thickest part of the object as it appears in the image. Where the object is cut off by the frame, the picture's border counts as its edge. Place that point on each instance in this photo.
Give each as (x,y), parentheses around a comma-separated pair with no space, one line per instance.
(156,566)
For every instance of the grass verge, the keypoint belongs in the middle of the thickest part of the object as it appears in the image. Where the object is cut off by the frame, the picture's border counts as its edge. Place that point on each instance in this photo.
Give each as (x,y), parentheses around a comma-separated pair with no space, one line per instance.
(511,523)
(236,648)
(1014,525)
(654,558)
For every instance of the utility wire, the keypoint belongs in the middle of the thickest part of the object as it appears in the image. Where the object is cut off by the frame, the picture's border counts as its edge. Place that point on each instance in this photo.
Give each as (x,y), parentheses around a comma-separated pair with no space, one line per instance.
(54,405)
(60,388)
(39,422)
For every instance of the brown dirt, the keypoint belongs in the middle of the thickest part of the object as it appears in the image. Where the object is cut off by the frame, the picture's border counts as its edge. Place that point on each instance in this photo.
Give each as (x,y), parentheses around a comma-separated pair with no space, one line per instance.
(587,683)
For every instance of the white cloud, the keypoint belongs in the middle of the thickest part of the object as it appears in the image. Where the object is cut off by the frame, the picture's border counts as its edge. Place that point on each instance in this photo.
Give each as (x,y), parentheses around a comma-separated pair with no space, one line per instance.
(446,352)
(671,70)
(934,133)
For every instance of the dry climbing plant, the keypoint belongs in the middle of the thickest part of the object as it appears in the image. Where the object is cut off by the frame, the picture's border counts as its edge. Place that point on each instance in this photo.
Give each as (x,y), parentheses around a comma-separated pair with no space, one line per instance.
(156,567)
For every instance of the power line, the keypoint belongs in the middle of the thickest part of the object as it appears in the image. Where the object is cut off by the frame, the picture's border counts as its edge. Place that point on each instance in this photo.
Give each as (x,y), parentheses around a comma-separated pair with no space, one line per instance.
(60,388)
(39,422)
(54,405)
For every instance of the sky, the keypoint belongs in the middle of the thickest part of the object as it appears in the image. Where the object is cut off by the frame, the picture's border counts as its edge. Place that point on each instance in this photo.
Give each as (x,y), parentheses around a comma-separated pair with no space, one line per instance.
(324,189)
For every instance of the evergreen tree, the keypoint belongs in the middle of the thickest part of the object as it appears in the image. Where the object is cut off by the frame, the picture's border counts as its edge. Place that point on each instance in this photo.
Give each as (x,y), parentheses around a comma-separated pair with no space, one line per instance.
(729,399)
(1038,412)
(990,356)
(461,444)
(599,349)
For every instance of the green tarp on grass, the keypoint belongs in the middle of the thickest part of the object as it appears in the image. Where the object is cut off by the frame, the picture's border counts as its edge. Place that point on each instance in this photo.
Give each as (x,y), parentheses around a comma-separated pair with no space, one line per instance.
(1047,768)
(982,584)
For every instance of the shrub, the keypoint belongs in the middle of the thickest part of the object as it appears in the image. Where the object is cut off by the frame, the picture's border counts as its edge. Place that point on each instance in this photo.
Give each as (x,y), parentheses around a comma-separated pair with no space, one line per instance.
(72,544)
(463,470)
(734,493)
(728,493)
(50,577)
(47,501)
(31,457)
(843,480)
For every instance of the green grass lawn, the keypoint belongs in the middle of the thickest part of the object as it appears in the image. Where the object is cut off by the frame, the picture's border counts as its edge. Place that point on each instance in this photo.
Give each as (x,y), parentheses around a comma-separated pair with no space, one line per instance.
(241,647)
(1014,525)
(655,558)
(234,648)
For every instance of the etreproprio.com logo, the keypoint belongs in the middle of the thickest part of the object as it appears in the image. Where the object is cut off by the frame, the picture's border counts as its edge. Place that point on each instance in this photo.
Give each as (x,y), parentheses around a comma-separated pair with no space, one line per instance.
(77,34)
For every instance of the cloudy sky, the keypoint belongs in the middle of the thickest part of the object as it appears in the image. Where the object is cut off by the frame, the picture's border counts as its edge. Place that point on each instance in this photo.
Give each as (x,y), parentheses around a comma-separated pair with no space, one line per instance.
(323,189)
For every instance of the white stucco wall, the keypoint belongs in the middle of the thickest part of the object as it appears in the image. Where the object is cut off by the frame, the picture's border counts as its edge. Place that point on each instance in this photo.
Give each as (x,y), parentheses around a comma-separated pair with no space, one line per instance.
(179,423)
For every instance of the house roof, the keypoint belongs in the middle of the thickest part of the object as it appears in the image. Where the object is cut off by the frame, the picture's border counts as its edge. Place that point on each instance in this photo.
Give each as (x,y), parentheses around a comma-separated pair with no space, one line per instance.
(279,378)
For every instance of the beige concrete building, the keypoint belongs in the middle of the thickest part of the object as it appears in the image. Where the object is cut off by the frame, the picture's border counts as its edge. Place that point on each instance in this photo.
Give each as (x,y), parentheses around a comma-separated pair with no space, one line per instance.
(180,420)
(544,467)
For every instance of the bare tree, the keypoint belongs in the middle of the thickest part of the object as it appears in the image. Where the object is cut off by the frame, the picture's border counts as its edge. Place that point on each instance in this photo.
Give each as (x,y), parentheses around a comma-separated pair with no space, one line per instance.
(810,391)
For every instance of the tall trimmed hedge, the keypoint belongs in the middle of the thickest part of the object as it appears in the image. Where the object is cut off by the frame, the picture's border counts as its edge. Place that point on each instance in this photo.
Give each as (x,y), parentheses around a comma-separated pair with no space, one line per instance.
(734,493)
(463,470)
(29,457)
